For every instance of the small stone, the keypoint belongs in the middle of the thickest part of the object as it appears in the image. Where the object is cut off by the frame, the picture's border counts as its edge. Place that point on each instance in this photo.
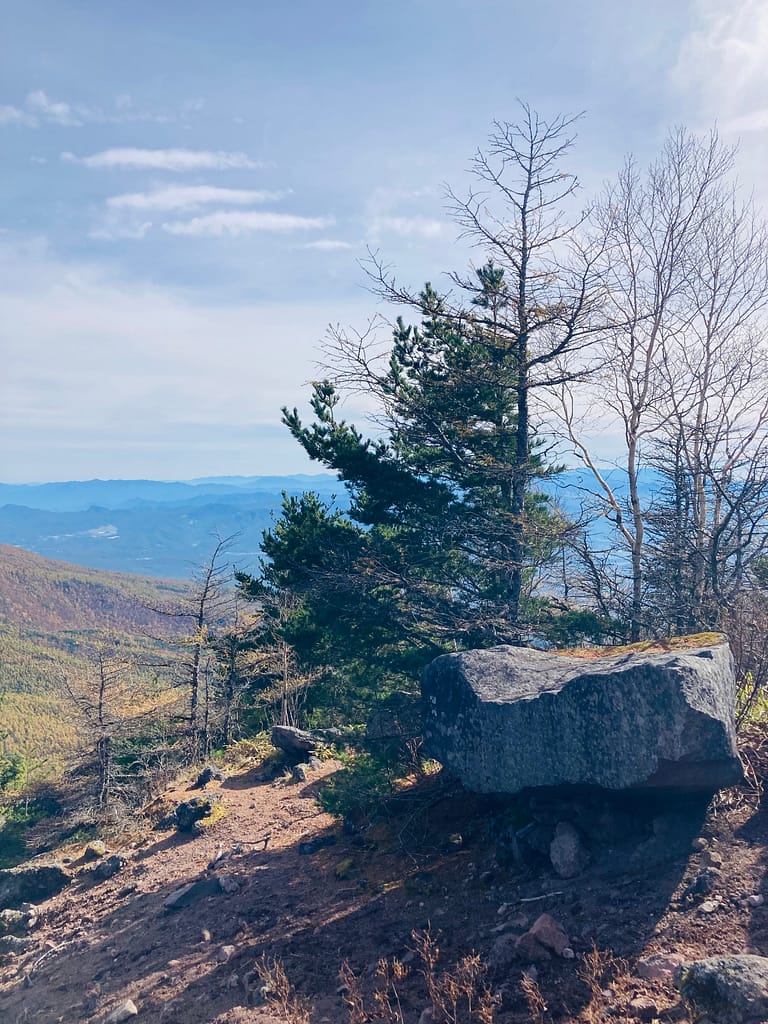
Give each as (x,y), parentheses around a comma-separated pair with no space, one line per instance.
(228,884)
(191,893)
(699,844)
(529,948)
(757,900)
(568,953)
(108,868)
(713,859)
(644,1008)
(300,773)
(550,933)
(12,944)
(225,953)
(206,935)
(95,850)
(659,966)
(567,852)
(709,906)
(122,1013)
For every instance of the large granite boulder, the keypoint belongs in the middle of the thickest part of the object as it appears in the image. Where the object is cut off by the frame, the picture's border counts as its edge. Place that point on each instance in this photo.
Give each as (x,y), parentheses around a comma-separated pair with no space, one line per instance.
(726,989)
(510,718)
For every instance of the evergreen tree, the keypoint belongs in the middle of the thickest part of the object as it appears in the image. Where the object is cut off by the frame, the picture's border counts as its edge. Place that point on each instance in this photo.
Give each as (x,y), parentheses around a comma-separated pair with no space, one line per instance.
(449,532)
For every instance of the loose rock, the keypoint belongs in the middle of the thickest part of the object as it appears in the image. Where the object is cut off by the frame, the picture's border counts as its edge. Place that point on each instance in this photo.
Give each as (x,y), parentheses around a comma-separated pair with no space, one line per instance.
(17,922)
(549,933)
(659,966)
(567,852)
(109,868)
(95,850)
(643,1008)
(209,774)
(122,1013)
(190,812)
(188,894)
(727,989)
(292,741)
(31,883)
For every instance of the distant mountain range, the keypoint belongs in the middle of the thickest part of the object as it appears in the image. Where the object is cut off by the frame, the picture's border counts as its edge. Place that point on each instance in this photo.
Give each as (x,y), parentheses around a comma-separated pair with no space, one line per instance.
(149,527)
(168,529)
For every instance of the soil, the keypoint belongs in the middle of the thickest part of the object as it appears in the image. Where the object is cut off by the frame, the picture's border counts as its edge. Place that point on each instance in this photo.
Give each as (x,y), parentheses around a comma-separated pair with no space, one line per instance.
(431,861)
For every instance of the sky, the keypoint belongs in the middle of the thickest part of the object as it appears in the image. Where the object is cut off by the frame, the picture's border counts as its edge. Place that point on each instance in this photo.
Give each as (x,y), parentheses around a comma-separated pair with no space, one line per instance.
(187,190)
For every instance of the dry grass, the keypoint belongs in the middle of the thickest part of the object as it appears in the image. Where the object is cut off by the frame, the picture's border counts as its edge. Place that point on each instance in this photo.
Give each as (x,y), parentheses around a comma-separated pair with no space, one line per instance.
(600,970)
(457,995)
(537,1007)
(276,991)
(663,646)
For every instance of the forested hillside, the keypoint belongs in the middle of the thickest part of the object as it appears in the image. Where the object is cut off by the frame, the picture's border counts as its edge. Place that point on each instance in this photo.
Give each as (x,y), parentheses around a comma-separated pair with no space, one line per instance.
(53,618)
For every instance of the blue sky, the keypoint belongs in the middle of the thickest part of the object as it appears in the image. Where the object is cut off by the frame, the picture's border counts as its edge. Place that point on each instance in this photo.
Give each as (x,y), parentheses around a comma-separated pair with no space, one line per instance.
(187,189)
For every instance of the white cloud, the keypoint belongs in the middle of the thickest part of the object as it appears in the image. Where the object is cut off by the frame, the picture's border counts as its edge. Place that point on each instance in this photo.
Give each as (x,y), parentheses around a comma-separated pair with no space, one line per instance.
(12,115)
(112,233)
(723,62)
(108,377)
(409,227)
(757,121)
(180,197)
(236,222)
(56,111)
(164,159)
(328,245)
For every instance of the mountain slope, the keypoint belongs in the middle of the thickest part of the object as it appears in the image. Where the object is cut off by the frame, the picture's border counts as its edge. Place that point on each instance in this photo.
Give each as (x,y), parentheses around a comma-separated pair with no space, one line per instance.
(53,616)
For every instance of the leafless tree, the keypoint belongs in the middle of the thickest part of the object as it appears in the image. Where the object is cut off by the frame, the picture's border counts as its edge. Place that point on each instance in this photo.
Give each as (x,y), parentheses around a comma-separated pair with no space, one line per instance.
(686,274)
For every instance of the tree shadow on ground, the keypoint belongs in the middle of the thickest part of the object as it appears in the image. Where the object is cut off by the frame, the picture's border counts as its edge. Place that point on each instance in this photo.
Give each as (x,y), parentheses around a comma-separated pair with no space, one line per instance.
(437,862)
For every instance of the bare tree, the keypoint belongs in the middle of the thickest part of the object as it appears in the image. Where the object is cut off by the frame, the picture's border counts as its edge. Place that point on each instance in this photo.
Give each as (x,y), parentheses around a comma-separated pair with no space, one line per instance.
(686,280)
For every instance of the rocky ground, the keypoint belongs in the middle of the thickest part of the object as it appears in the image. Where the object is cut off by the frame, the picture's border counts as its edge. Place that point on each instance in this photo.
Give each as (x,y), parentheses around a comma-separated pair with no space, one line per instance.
(657,884)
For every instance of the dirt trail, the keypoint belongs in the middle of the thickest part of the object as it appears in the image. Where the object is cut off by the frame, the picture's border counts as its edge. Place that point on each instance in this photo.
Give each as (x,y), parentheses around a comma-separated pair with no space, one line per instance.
(432,865)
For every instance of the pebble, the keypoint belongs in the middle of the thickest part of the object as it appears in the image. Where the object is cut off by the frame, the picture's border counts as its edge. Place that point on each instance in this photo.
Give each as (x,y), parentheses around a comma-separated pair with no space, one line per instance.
(122,1013)
(699,844)
(568,953)
(228,884)
(756,901)
(709,906)
(644,1008)
(225,953)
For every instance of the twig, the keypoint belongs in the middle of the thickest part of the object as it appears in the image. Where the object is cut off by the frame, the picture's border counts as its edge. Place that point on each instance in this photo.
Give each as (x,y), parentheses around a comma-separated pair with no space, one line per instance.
(545,896)
(38,962)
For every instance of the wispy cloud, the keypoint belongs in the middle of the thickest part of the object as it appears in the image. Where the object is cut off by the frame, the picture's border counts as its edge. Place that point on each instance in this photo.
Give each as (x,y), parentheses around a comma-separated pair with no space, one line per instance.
(190,197)
(237,222)
(723,62)
(14,115)
(328,245)
(409,227)
(111,233)
(56,111)
(164,159)
(39,108)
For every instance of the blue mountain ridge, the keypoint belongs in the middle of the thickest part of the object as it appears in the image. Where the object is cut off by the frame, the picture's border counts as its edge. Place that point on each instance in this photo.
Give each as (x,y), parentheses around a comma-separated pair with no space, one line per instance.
(168,529)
